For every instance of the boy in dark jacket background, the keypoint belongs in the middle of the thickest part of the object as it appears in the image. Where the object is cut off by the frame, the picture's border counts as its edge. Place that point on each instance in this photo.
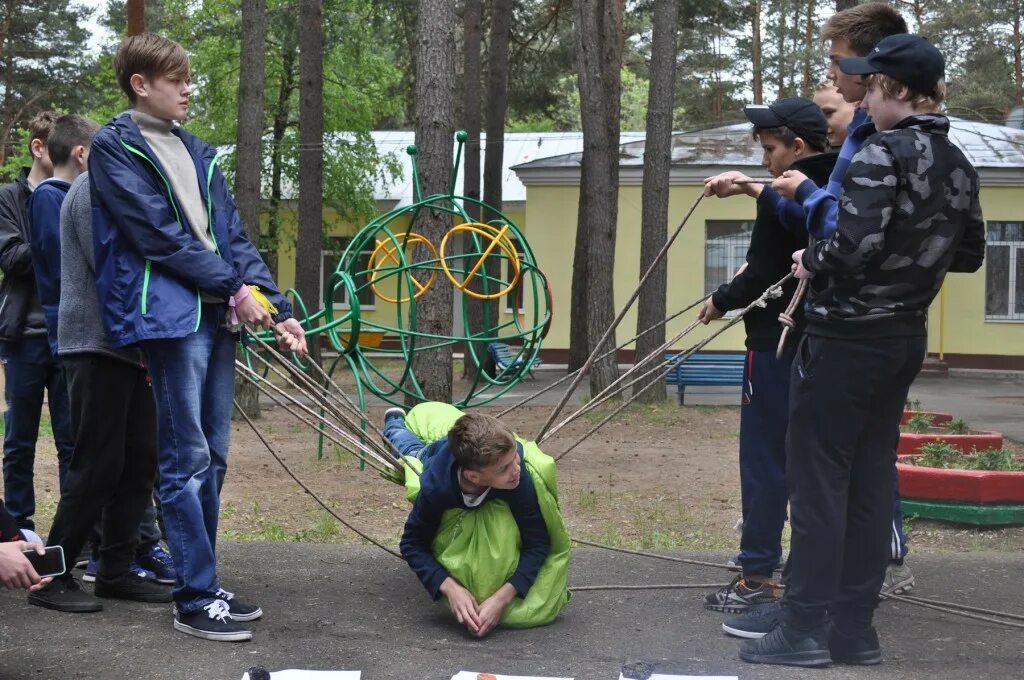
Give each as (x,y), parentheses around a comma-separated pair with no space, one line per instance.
(793,133)
(910,213)
(32,369)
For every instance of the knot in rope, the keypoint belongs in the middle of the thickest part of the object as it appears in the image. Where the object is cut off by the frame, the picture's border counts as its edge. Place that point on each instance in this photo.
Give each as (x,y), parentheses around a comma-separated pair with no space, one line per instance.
(786,320)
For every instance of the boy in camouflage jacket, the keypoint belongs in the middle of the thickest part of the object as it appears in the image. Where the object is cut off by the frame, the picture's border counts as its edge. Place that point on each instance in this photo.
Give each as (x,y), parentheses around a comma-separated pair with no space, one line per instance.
(909,213)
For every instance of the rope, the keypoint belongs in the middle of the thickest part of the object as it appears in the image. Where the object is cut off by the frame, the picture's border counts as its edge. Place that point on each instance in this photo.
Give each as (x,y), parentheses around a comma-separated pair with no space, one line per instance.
(655,586)
(772,291)
(607,393)
(668,558)
(599,345)
(306,488)
(965,607)
(609,353)
(958,611)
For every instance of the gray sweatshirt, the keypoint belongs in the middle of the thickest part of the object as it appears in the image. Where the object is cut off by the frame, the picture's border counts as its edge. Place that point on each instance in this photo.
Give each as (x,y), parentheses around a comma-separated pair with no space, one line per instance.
(181,172)
(79,325)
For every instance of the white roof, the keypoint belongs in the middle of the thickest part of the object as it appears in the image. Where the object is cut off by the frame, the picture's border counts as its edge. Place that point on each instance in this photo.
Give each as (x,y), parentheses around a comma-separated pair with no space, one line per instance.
(520,147)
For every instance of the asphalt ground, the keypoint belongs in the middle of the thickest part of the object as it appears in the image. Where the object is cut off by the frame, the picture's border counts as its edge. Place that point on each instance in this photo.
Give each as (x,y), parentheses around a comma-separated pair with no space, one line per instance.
(344,607)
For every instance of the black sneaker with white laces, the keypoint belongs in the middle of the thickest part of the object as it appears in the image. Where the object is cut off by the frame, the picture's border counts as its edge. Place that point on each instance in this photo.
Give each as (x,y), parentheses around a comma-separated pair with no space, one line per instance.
(212,622)
(240,611)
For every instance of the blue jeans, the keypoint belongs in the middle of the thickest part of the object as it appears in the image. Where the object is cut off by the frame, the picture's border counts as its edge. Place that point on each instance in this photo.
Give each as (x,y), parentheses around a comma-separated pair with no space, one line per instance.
(407,443)
(32,369)
(193,381)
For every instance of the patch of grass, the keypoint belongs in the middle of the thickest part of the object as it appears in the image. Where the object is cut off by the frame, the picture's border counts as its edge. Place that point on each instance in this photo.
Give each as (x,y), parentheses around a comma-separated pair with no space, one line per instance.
(587,501)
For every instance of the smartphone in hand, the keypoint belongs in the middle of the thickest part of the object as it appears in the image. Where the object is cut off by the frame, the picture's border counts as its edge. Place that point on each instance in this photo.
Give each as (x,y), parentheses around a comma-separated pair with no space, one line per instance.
(50,564)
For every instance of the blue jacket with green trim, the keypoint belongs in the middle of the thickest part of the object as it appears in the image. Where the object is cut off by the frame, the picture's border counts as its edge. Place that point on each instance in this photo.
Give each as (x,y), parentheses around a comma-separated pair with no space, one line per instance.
(150,269)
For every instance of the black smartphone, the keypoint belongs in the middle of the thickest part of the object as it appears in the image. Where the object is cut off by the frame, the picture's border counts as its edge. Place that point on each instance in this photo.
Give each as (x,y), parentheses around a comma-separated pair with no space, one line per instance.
(50,564)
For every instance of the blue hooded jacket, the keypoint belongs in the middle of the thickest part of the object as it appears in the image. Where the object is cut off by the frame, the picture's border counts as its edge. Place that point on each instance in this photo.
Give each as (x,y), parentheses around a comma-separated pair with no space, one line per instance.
(150,269)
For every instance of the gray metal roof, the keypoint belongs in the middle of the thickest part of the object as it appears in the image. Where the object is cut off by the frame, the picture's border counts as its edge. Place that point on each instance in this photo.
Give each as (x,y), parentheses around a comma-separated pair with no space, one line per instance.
(985,145)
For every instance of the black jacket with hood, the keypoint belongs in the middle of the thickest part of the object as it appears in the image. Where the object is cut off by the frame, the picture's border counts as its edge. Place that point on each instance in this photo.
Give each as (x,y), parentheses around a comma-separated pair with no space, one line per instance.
(20,312)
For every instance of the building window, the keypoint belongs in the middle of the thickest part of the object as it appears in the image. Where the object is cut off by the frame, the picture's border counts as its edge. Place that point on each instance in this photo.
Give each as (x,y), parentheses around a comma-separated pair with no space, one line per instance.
(725,250)
(329,258)
(1004,271)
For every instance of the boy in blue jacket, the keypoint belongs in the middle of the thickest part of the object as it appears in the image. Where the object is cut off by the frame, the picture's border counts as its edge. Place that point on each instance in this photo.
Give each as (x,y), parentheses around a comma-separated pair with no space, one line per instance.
(479,461)
(175,275)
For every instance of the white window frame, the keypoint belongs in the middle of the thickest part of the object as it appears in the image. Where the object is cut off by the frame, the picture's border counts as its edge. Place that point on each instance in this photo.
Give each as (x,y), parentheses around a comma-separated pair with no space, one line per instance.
(1016,250)
(731,255)
(344,303)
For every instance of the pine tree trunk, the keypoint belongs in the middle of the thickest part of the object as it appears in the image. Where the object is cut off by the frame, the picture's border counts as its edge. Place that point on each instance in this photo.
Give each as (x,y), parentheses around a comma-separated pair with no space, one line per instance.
(654,213)
(1018,77)
(598,28)
(282,114)
(755,51)
(780,37)
(311,168)
(472,14)
(249,148)
(435,103)
(807,89)
(497,106)
(136,10)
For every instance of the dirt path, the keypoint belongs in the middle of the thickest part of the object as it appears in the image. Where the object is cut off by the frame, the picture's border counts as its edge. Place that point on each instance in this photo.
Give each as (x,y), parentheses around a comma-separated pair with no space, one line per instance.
(659,477)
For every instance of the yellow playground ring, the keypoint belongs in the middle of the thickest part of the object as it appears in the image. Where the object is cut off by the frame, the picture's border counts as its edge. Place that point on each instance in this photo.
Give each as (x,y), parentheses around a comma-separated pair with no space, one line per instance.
(388,251)
(498,239)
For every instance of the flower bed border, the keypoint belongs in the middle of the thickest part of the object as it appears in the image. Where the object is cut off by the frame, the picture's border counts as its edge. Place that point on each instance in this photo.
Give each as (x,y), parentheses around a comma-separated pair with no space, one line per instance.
(965,513)
(910,443)
(938,417)
(960,486)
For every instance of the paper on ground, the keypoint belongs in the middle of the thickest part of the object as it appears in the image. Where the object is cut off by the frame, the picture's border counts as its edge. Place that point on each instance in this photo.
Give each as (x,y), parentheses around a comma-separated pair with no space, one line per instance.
(467,675)
(659,676)
(293,674)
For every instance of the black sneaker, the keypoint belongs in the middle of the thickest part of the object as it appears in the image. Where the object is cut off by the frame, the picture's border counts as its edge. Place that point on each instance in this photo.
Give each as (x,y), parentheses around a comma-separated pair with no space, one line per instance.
(131,586)
(65,595)
(857,649)
(212,622)
(755,622)
(794,650)
(741,594)
(240,611)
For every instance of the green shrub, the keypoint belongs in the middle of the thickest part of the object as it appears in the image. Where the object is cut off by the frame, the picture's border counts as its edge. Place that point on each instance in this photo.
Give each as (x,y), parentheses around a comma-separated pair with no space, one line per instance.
(919,424)
(948,457)
(957,426)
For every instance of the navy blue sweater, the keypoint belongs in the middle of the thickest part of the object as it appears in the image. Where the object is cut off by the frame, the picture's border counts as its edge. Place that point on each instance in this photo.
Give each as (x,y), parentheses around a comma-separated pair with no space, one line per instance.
(44,230)
(440,491)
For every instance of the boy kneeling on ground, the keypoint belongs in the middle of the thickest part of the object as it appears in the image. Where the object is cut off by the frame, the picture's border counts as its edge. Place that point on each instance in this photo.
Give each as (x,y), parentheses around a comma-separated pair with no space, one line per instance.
(479,461)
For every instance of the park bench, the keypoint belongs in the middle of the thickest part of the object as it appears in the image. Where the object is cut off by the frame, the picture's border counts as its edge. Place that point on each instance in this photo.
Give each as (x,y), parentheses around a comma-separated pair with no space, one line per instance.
(507,360)
(706,369)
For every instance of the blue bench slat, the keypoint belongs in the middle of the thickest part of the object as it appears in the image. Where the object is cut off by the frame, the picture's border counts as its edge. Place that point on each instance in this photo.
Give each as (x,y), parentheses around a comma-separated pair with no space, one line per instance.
(706,369)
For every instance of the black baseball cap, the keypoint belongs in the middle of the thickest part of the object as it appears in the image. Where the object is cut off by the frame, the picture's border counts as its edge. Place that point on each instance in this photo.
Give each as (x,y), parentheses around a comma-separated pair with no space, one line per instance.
(800,115)
(910,59)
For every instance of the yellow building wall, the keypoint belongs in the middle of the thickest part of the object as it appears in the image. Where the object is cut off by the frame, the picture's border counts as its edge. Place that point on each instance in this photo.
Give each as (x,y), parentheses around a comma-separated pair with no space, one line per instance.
(551,211)
(964,329)
(383,312)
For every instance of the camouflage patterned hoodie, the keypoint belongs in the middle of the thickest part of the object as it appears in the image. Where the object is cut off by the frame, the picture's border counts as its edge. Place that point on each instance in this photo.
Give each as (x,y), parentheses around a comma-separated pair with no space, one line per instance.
(909,213)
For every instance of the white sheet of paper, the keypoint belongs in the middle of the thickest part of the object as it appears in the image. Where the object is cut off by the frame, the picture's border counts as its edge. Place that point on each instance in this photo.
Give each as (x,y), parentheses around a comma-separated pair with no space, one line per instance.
(659,676)
(472,675)
(294,674)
